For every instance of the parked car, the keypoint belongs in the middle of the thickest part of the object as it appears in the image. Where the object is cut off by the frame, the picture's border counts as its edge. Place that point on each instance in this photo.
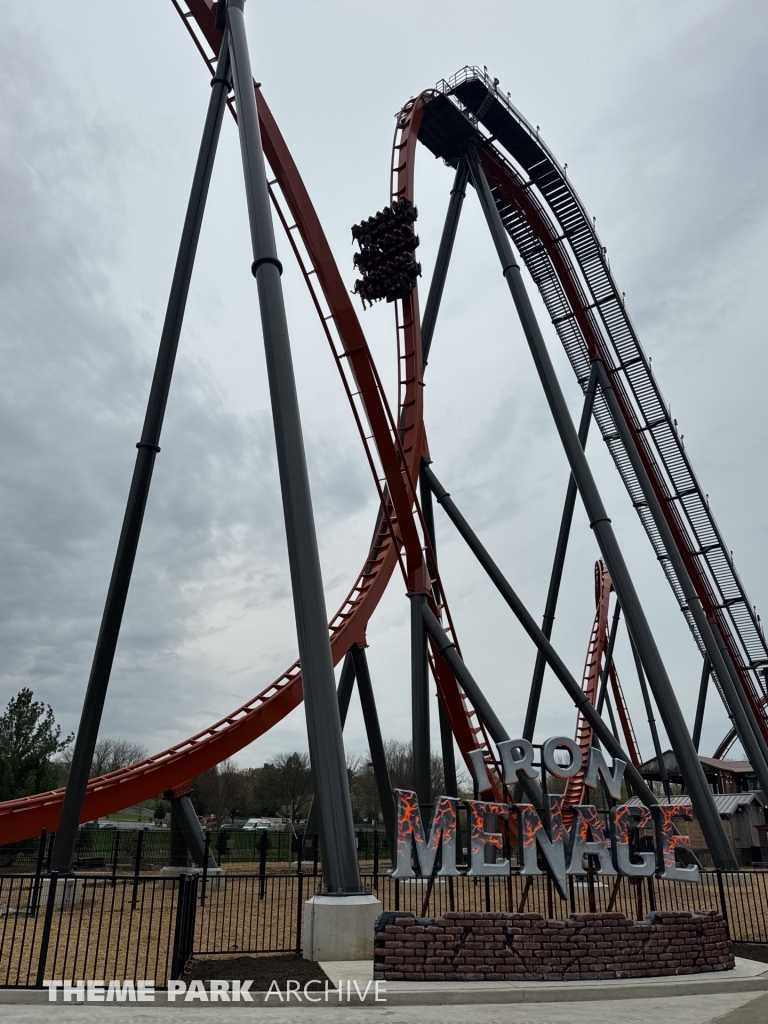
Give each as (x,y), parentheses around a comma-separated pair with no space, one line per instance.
(256,825)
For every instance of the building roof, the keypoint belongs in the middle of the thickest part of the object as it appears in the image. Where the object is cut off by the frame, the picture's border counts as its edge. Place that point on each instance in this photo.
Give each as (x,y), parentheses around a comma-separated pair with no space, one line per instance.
(737,767)
(726,803)
(651,767)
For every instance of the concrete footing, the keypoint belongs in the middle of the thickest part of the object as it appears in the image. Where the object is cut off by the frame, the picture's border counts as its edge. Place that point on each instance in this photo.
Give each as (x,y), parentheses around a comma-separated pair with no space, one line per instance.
(211,879)
(69,891)
(175,870)
(340,927)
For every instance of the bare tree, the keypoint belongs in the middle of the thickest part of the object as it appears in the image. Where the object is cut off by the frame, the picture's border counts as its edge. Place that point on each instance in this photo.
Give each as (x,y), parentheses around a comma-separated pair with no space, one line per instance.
(224,791)
(108,756)
(284,784)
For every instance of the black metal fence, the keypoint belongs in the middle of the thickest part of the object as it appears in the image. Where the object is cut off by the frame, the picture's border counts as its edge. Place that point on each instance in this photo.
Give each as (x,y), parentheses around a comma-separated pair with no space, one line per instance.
(148,927)
(126,850)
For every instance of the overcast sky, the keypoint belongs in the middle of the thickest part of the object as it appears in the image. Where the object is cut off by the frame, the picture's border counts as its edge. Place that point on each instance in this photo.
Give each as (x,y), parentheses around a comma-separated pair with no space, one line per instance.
(659,110)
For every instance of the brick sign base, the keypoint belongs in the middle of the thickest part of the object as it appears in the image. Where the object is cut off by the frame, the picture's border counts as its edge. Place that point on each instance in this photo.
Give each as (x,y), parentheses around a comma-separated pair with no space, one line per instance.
(528,947)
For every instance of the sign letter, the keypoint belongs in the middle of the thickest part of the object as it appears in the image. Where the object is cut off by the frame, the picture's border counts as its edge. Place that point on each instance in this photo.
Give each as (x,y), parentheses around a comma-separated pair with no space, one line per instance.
(410,830)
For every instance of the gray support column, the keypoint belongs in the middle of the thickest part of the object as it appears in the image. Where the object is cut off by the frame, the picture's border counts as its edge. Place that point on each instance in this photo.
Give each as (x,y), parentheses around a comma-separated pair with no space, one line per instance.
(448,753)
(375,742)
(428,512)
(314,824)
(179,852)
(458,192)
(148,447)
(326,746)
(346,684)
(420,735)
(746,727)
(651,719)
(701,797)
(529,624)
(191,831)
(701,703)
(556,576)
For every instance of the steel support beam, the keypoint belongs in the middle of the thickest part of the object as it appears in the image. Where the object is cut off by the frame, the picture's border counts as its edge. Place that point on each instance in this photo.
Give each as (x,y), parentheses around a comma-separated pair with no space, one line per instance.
(191,830)
(447,649)
(747,728)
(701,703)
(428,512)
(448,753)
(148,447)
(651,719)
(529,624)
(346,683)
(556,576)
(375,741)
(326,746)
(428,321)
(420,735)
(703,802)
(609,660)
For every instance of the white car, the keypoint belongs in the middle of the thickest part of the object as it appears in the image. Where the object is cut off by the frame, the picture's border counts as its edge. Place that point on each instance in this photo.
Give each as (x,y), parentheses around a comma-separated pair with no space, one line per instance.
(256,825)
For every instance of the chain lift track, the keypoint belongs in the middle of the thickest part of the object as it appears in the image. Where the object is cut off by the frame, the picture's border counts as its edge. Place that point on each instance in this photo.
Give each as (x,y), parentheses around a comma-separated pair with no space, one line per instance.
(558,243)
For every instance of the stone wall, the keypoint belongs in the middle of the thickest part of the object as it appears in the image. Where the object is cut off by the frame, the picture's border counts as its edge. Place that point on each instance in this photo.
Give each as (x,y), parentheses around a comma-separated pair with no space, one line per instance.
(528,947)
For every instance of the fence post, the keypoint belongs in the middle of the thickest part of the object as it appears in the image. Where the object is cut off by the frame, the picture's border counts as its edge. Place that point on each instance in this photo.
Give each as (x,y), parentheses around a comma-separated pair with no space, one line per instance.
(137,868)
(376,858)
(315,853)
(35,900)
(49,851)
(115,848)
(184,931)
(571,894)
(53,878)
(723,907)
(206,852)
(263,864)
(651,893)
(397,894)
(299,908)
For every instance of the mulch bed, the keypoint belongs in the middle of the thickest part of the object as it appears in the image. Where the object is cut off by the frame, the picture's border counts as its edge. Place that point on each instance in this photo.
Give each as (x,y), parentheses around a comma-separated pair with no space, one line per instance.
(262,970)
(751,951)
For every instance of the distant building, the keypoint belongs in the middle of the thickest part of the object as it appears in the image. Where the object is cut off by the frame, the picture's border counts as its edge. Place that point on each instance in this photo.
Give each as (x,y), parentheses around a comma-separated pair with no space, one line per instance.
(722,776)
(739,802)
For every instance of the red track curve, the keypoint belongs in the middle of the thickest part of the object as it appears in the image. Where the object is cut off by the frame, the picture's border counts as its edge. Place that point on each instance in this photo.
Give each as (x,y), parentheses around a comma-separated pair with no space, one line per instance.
(575,790)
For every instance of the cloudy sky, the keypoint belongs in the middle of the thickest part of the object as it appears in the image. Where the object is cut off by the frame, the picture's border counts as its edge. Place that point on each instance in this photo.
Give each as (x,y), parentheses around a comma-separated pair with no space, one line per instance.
(659,110)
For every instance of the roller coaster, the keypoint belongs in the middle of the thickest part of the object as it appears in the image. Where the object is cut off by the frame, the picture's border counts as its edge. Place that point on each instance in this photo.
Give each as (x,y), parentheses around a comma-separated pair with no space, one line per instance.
(470,124)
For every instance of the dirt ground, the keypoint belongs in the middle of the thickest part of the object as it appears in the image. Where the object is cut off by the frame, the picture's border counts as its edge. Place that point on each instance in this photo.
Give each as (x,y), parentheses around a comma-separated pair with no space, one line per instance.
(263,969)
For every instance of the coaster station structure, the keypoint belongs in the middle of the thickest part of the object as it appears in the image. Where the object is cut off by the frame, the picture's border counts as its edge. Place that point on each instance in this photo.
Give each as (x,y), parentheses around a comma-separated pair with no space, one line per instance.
(529,203)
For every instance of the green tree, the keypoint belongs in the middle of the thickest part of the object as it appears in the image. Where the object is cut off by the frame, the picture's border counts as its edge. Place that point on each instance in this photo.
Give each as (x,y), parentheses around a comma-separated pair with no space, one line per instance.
(29,738)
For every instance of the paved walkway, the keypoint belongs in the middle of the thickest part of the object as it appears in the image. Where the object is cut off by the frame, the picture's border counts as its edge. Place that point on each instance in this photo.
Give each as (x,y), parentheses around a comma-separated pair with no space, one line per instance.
(733,997)
(725,1008)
